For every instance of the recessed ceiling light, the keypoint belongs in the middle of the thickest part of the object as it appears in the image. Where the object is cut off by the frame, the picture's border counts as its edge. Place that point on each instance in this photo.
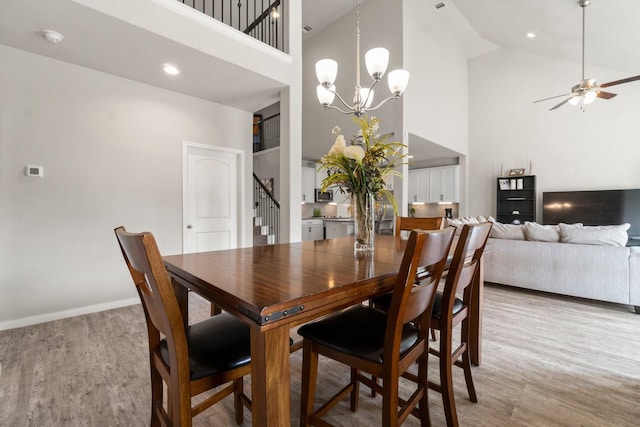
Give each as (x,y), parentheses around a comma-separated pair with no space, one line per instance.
(531,35)
(52,36)
(409,156)
(170,69)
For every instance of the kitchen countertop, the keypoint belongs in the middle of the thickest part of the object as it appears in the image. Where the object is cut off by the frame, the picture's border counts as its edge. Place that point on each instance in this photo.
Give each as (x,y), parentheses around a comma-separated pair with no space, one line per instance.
(330,218)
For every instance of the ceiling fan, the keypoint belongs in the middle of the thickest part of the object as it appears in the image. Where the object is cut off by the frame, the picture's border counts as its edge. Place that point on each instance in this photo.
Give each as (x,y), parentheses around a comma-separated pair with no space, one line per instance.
(587,90)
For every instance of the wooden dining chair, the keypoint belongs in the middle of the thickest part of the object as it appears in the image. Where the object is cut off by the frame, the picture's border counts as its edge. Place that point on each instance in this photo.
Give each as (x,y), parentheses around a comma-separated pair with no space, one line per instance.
(411,223)
(381,344)
(450,311)
(189,360)
(407,224)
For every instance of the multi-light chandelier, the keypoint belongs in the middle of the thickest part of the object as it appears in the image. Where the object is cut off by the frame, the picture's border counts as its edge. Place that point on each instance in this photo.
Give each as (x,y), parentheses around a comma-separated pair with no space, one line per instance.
(376,61)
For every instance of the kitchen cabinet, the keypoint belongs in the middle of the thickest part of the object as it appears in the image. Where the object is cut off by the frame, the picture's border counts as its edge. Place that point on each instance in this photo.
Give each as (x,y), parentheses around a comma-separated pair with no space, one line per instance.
(433,185)
(308,185)
(341,228)
(418,185)
(312,229)
(339,198)
(443,184)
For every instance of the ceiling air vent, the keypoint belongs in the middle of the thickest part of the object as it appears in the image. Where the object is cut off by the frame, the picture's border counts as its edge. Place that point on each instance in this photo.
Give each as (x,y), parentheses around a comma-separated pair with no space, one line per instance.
(307,28)
(439,5)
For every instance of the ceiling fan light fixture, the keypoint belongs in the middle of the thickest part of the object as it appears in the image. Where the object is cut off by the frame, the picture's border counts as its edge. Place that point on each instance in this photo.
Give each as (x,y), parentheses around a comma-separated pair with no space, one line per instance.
(587,90)
(589,97)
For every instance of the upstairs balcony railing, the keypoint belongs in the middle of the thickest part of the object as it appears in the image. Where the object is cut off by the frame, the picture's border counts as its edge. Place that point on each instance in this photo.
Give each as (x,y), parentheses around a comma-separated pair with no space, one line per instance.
(266,132)
(261,19)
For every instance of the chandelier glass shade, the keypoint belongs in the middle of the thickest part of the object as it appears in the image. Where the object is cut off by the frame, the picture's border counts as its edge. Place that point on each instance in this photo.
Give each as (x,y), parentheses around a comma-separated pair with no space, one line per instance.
(376,61)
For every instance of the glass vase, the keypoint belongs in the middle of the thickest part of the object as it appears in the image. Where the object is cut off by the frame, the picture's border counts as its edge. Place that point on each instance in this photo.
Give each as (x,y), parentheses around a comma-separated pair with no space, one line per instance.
(364,222)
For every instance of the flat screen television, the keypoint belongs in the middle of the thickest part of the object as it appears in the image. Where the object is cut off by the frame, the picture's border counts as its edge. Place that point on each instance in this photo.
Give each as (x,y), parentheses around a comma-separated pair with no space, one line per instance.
(602,207)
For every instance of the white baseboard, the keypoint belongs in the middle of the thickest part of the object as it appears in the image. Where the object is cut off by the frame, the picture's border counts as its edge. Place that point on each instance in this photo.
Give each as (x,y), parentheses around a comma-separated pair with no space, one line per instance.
(41,318)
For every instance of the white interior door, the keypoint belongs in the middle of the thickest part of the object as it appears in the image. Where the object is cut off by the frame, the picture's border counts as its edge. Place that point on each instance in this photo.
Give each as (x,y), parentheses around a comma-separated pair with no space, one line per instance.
(211,198)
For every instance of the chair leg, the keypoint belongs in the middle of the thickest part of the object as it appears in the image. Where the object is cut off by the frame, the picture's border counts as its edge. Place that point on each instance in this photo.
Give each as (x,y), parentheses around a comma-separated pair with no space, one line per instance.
(466,366)
(446,379)
(238,389)
(374,379)
(309,378)
(156,396)
(389,403)
(355,384)
(423,381)
(433,334)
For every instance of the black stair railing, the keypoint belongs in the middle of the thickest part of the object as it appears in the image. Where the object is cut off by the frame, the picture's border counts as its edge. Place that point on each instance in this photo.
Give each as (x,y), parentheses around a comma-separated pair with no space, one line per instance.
(267,208)
(261,19)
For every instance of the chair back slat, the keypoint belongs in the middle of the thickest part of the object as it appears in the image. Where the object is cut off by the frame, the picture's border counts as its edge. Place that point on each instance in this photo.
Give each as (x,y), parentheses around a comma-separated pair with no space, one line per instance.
(159,301)
(428,251)
(465,264)
(410,223)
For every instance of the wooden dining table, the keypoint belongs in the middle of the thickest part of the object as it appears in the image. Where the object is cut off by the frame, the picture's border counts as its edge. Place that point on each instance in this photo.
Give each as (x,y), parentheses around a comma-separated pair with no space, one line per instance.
(274,288)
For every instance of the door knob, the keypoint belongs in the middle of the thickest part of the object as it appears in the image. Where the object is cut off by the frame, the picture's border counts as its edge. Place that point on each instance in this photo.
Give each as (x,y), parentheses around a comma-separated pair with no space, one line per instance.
(189,226)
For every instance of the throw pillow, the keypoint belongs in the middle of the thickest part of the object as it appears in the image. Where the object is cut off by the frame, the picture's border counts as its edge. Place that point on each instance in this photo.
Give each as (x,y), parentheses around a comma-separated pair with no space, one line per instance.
(459,222)
(612,235)
(507,231)
(541,233)
(545,233)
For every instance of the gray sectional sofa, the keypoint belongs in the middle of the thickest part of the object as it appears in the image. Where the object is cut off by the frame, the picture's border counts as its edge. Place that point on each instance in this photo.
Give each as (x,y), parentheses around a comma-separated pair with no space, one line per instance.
(604,273)
(589,262)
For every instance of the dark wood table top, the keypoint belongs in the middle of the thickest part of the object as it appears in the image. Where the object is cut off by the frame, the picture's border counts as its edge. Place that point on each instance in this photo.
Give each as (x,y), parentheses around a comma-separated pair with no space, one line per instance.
(288,282)
(273,288)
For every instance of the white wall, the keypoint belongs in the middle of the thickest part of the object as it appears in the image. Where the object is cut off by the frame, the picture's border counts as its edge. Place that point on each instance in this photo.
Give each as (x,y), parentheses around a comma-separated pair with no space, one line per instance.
(436,104)
(569,149)
(112,155)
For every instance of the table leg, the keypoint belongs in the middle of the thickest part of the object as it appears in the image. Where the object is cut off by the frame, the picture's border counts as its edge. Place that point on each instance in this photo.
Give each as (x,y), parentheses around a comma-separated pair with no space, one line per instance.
(270,377)
(475,340)
(215,309)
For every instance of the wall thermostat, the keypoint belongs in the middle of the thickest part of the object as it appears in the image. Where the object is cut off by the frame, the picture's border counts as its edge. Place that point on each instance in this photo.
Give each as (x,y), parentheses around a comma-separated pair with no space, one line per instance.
(34,171)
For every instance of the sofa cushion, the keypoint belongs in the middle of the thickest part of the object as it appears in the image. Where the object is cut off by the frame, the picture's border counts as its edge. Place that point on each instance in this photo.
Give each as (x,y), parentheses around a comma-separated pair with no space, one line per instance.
(507,231)
(611,235)
(589,271)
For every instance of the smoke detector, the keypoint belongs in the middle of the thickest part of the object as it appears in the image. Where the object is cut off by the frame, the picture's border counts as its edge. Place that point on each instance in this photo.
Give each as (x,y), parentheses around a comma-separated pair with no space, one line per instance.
(52,36)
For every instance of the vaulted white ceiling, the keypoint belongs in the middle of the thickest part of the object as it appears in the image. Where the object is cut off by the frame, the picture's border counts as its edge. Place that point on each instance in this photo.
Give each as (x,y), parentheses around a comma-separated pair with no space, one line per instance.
(96,40)
(107,44)
(612,26)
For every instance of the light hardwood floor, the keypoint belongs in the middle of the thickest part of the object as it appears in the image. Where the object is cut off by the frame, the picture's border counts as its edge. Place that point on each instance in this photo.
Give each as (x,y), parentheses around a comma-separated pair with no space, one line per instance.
(547,361)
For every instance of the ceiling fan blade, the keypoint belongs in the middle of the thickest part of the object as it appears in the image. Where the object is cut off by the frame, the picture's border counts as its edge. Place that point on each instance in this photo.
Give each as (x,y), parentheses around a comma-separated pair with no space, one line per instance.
(605,95)
(552,97)
(619,82)
(561,104)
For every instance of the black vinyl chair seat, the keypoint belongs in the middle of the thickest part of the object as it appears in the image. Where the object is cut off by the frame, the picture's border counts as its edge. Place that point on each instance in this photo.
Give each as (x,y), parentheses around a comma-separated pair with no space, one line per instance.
(358,331)
(217,344)
(437,304)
